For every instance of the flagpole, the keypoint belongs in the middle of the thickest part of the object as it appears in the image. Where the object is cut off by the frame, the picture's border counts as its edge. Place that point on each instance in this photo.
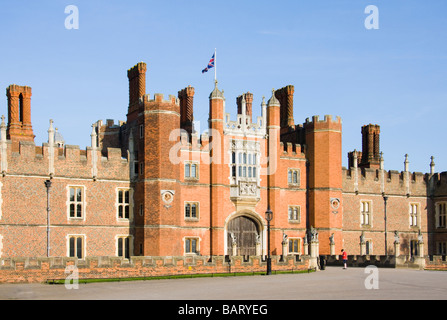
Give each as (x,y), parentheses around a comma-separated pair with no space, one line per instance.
(215,65)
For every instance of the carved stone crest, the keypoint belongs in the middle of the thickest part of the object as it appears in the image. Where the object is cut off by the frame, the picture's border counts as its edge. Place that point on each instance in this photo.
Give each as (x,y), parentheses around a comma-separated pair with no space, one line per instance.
(247,188)
(167,196)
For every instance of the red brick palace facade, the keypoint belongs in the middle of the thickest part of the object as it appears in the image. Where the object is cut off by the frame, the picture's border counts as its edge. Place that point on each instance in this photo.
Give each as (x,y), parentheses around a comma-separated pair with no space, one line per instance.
(152,186)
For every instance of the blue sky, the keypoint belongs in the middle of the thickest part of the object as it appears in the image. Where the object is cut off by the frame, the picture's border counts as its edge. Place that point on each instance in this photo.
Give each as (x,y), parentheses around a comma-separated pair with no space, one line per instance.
(394,76)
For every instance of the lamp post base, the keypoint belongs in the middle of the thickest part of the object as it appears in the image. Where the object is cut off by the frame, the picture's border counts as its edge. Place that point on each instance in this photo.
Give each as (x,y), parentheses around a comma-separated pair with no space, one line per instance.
(269,266)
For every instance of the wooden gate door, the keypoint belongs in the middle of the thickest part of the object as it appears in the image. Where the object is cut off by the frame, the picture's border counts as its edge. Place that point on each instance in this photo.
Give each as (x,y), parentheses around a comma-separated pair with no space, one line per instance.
(244,230)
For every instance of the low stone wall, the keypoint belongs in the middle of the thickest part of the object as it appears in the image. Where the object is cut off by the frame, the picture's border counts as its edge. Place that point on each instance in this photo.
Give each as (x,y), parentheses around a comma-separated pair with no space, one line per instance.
(427,262)
(42,269)
(361,261)
(436,263)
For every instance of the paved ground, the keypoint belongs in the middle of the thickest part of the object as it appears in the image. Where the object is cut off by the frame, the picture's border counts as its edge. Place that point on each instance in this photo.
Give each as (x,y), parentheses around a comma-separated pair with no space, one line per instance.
(332,283)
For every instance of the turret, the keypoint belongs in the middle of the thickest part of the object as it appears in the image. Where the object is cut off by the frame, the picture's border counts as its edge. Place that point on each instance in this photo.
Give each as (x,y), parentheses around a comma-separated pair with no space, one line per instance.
(323,139)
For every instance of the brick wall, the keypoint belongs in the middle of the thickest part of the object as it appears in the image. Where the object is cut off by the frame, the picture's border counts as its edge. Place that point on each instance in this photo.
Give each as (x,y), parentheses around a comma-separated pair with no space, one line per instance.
(38,270)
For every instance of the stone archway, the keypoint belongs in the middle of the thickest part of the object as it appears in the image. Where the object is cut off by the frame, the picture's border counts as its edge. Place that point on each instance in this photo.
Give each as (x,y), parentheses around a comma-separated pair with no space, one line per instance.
(244,231)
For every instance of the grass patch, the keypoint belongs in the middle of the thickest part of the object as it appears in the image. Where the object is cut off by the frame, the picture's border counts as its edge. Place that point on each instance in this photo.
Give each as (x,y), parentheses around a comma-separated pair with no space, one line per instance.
(180,276)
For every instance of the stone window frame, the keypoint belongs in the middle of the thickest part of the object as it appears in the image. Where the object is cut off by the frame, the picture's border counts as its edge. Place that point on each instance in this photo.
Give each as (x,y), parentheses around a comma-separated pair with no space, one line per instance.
(247,164)
(129,205)
(76,248)
(414,217)
(441,248)
(364,213)
(370,249)
(190,203)
(124,237)
(83,202)
(289,216)
(188,172)
(441,215)
(291,179)
(290,245)
(197,245)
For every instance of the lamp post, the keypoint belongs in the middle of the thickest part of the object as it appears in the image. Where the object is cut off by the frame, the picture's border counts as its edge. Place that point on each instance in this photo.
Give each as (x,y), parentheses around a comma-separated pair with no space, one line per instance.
(268,217)
(48,186)
(385,199)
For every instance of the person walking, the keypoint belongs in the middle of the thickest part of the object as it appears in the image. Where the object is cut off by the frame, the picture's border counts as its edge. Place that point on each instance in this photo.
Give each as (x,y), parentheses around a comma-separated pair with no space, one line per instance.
(344,256)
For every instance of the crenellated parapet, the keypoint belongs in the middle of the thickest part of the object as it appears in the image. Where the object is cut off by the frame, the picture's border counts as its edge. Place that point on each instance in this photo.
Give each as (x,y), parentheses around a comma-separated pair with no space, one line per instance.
(159,98)
(69,161)
(292,150)
(377,181)
(328,123)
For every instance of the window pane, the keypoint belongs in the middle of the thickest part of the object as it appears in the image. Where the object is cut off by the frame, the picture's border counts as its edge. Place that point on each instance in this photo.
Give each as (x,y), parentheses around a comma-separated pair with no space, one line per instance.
(120,196)
(79,210)
(79,247)
(72,210)
(120,211)
(245,158)
(193,245)
(245,171)
(120,247)
(72,247)
(193,171)
(187,246)
(249,172)
(126,248)
(72,194)
(295,177)
(187,170)
(289,178)
(233,157)
(254,159)
(78,194)
(187,210)
(193,211)
(126,196)
(295,246)
(126,212)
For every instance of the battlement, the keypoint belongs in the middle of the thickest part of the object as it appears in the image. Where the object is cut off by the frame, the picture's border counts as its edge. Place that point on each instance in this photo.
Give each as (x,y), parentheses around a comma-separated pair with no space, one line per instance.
(193,141)
(110,123)
(329,122)
(378,181)
(67,161)
(390,175)
(159,97)
(440,178)
(292,150)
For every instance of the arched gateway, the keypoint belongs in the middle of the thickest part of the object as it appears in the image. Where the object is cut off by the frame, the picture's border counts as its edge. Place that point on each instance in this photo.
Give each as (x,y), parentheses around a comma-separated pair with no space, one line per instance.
(244,232)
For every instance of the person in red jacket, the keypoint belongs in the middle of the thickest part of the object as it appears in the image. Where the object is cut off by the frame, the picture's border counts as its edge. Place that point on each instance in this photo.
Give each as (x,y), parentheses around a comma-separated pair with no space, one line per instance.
(345,258)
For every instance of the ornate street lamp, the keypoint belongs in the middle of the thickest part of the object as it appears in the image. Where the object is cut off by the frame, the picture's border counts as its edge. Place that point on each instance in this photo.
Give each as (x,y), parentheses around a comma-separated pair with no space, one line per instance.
(48,186)
(268,217)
